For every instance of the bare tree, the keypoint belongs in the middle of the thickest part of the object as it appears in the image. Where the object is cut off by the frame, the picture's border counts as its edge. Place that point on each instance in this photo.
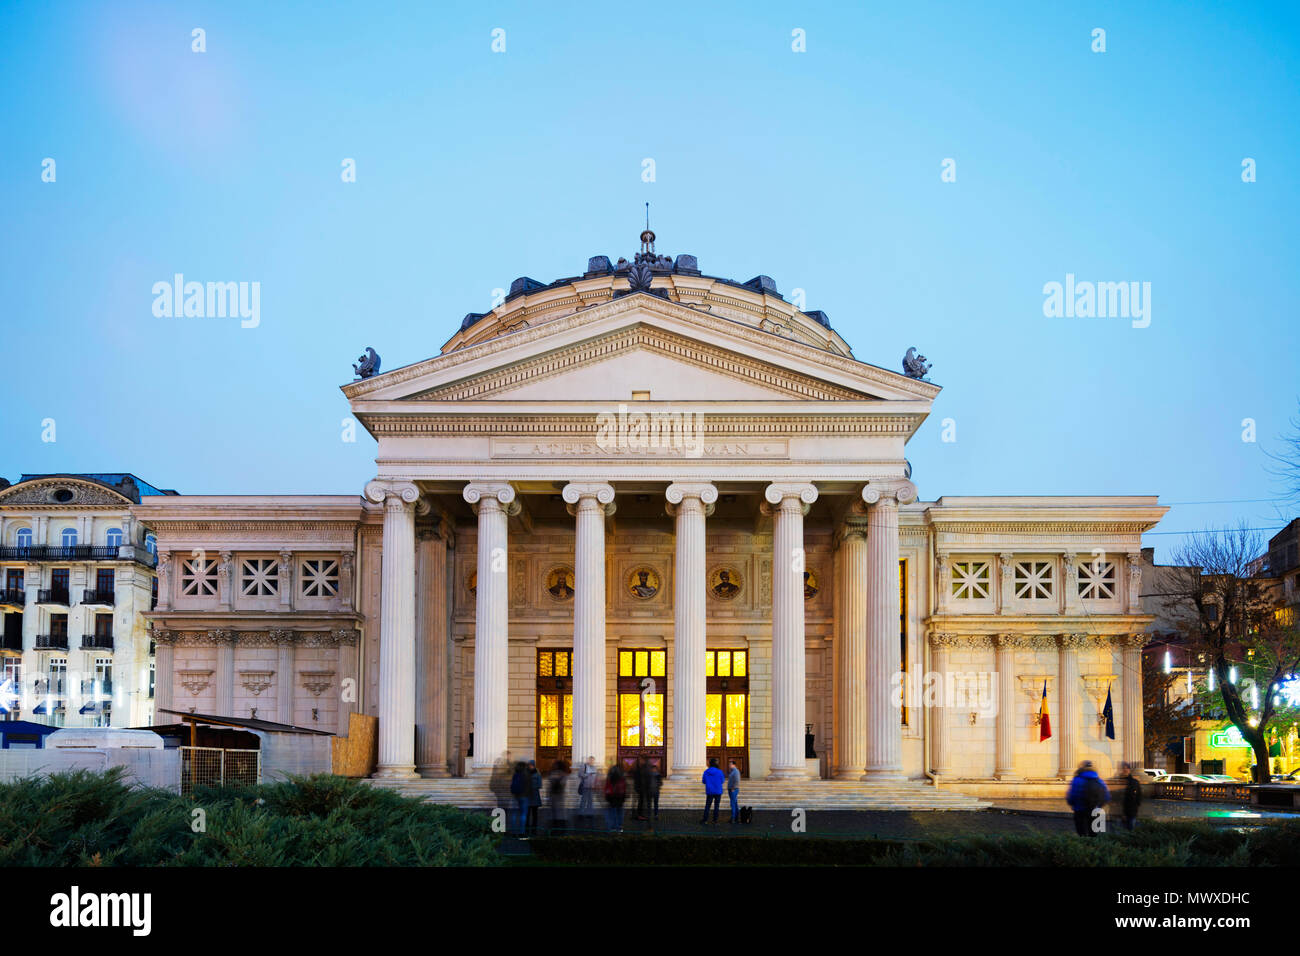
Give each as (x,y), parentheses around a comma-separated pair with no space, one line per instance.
(1286,462)
(1222,609)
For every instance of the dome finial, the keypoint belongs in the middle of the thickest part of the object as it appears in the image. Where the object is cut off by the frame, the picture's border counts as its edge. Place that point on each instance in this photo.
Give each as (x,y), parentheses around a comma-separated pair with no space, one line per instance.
(647,237)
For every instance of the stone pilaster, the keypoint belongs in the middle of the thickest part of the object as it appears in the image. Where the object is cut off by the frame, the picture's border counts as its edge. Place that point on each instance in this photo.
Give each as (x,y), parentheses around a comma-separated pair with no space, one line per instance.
(1006,580)
(349,646)
(1004,757)
(1134,583)
(225,676)
(284,671)
(164,663)
(284,574)
(1070,584)
(788,502)
(689,503)
(164,585)
(943,580)
(1131,691)
(589,503)
(940,749)
(493,502)
(396,698)
(225,579)
(851,665)
(884,655)
(1067,729)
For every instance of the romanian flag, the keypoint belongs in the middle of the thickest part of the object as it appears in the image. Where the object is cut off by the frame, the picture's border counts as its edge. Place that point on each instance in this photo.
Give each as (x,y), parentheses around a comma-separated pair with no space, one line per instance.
(1044,718)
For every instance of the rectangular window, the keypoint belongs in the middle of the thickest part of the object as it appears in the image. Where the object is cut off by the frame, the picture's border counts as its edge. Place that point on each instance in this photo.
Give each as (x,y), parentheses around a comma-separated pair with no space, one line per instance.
(59,580)
(258,577)
(199,577)
(320,577)
(1033,580)
(14,579)
(713,720)
(104,579)
(1097,580)
(971,580)
(59,625)
(104,626)
(629,720)
(736,720)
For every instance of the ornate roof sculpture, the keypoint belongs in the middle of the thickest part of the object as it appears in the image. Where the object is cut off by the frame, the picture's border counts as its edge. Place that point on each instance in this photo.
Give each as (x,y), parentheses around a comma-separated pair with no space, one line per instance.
(756,302)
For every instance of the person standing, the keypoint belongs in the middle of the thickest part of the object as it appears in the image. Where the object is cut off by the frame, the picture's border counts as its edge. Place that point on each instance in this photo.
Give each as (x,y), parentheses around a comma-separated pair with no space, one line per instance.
(586,789)
(654,785)
(1132,795)
(1087,794)
(519,785)
(534,796)
(713,781)
(640,784)
(733,791)
(559,796)
(615,794)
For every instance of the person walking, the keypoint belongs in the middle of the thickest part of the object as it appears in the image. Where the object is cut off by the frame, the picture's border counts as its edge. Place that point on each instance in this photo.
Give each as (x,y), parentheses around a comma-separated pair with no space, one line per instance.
(559,796)
(640,783)
(534,796)
(586,789)
(615,794)
(713,781)
(1087,793)
(655,784)
(733,790)
(519,785)
(1132,795)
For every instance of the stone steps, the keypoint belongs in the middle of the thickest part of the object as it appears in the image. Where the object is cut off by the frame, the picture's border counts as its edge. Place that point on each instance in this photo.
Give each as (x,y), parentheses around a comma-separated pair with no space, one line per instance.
(760,794)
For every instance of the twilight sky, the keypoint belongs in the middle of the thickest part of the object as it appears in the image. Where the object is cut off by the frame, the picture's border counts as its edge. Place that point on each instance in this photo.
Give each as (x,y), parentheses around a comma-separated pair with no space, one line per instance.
(821,169)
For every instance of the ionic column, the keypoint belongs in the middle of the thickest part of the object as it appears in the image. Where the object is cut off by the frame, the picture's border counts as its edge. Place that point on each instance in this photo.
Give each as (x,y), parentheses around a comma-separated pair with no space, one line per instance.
(494,503)
(284,670)
(224,641)
(884,655)
(788,502)
(1004,758)
(1131,690)
(851,665)
(396,628)
(940,756)
(164,662)
(431,654)
(589,503)
(689,503)
(1068,718)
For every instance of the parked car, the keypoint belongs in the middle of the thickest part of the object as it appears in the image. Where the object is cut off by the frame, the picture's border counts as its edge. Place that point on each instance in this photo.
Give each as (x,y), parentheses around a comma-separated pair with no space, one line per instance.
(1155,772)
(1184,778)
(1220,778)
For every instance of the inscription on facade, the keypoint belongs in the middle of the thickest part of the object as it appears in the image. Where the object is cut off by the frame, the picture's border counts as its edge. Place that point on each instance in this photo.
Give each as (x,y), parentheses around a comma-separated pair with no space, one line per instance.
(570,448)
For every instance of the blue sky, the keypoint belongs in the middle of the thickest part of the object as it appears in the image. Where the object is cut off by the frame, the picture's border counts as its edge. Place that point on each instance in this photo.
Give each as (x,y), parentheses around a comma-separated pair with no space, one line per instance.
(820,169)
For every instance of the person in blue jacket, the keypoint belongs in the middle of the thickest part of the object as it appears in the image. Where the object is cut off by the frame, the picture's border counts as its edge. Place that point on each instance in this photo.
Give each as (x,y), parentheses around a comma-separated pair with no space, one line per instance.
(1087,793)
(713,781)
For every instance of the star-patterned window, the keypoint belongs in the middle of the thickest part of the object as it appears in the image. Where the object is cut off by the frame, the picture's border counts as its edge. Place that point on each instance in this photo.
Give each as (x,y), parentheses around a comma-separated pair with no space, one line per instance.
(320,577)
(1033,580)
(1097,580)
(971,580)
(258,578)
(199,576)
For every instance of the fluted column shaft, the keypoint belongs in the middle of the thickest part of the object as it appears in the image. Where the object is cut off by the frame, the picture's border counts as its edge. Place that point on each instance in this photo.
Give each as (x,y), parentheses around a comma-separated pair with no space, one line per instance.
(164,663)
(940,752)
(431,655)
(1131,689)
(1068,718)
(884,653)
(494,503)
(284,681)
(225,678)
(589,502)
(396,628)
(787,502)
(852,663)
(690,504)
(1004,757)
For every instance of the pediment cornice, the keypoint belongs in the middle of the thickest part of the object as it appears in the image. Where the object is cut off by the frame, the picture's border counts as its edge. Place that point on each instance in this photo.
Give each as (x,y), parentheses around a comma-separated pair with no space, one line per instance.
(755,345)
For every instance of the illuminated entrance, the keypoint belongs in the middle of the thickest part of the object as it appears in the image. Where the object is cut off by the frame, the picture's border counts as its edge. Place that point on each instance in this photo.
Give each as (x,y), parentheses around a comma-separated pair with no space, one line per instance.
(726,708)
(642,689)
(554,708)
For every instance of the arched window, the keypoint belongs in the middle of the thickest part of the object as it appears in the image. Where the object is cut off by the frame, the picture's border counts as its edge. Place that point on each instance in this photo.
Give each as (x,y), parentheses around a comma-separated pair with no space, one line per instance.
(114,537)
(151,544)
(24,537)
(69,537)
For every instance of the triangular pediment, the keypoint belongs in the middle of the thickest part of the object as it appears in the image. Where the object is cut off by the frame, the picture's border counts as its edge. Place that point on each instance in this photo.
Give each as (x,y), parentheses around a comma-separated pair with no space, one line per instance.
(640,342)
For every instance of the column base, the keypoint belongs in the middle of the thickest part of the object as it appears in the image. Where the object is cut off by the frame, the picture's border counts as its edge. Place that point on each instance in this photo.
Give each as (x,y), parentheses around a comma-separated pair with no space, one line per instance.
(846,775)
(883,775)
(433,771)
(481,771)
(691,773)
(396,773)
(788,773)
(1009,776)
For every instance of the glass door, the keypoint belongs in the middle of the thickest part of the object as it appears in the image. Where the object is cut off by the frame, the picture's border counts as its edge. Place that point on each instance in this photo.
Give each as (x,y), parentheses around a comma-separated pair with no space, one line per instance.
(642,690)
(554,708)
(726,708)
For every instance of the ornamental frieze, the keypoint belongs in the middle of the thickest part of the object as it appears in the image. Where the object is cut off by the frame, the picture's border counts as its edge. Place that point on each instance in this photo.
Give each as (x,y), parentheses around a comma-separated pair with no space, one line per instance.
(275,637)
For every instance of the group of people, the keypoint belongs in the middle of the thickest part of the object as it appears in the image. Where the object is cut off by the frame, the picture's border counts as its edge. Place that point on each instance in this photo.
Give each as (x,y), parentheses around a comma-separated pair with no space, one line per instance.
(520,787)
(1088,793)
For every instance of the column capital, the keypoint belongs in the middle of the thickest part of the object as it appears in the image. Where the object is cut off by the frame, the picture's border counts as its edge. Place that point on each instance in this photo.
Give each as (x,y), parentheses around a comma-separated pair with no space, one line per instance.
(395,493)
(477,493)
(1073,641)
(778,492)
(702,491)
(898,490)
(602,491)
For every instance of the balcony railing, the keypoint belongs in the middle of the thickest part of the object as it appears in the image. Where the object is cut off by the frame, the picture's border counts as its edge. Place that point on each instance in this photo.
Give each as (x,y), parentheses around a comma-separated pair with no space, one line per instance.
(79,552)
(52,596)
(13,597)
(97,642)
(105,687)
(102,596)
(51,642)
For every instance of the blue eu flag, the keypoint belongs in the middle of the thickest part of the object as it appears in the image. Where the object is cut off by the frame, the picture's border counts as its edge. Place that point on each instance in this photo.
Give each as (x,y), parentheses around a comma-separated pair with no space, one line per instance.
(1109,713)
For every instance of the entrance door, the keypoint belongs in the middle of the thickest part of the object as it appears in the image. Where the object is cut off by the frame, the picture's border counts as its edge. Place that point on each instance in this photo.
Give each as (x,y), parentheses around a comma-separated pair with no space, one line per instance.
(726,708)
(554,708)
(642,690)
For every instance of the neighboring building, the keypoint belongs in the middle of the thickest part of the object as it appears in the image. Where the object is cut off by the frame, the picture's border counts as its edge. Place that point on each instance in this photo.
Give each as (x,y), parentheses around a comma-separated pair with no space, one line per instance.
(767,580)
(77,576)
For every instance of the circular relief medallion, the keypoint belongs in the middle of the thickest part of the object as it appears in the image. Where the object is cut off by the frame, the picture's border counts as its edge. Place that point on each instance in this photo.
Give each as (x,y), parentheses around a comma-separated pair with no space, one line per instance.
(725,583)
(643,582)
(810,585)
(471,583)
(559,584)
